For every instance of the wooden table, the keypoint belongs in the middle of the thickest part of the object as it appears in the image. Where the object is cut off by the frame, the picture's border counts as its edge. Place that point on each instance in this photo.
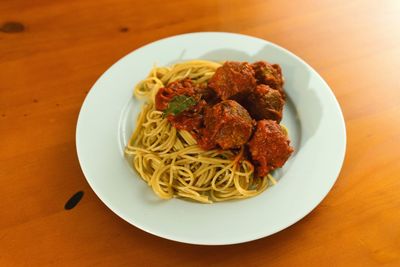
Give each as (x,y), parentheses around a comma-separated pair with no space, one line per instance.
(51,52)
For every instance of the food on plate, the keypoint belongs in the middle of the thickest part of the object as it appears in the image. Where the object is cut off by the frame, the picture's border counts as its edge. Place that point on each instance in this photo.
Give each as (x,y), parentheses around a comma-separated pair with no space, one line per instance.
(265,103)
(269,147)
(269,74)
(233,80)
(210,131)
(226,124)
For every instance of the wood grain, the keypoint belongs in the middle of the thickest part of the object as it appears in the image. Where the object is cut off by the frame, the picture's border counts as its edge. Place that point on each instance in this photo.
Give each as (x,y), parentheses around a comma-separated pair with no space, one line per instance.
(47,69)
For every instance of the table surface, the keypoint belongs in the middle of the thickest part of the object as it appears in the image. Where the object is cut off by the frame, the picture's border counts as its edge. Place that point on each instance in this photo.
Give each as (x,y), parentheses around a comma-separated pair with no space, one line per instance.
(51,53)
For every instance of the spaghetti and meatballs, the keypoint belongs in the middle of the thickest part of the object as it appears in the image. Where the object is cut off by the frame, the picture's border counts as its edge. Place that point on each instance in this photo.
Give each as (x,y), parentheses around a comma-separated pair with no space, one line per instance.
(210,131)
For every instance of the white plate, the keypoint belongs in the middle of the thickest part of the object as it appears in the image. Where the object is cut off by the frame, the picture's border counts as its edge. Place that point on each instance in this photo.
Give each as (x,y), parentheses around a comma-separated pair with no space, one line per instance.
(312,115)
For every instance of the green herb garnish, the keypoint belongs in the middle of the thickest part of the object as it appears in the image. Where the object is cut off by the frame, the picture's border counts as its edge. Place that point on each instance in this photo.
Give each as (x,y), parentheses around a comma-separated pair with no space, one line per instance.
(179,103)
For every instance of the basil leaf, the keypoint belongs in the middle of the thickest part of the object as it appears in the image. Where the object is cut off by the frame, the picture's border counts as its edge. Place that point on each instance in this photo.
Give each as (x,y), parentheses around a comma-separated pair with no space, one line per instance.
(179,103)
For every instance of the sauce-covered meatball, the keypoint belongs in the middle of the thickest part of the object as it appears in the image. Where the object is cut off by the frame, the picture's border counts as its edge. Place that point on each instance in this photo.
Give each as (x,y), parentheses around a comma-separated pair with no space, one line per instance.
(269,147)
(227,124)
(269,74)
(233,79)
(265,103)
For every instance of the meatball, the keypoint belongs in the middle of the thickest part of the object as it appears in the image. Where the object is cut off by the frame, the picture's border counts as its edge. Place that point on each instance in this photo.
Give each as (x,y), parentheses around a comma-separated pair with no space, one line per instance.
(269,74)
(233,79)
(269,147)
(265,103)
(166,94)
(227,124)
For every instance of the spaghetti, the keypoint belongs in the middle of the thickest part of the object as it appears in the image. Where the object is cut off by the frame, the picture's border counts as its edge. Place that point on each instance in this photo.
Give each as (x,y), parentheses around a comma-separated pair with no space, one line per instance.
(171,162)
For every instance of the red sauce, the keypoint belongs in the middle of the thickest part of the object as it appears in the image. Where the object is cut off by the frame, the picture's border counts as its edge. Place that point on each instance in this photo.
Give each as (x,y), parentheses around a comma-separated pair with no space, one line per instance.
(190,120)
(186,121)
(163,97)
(166,94)
(205,142)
